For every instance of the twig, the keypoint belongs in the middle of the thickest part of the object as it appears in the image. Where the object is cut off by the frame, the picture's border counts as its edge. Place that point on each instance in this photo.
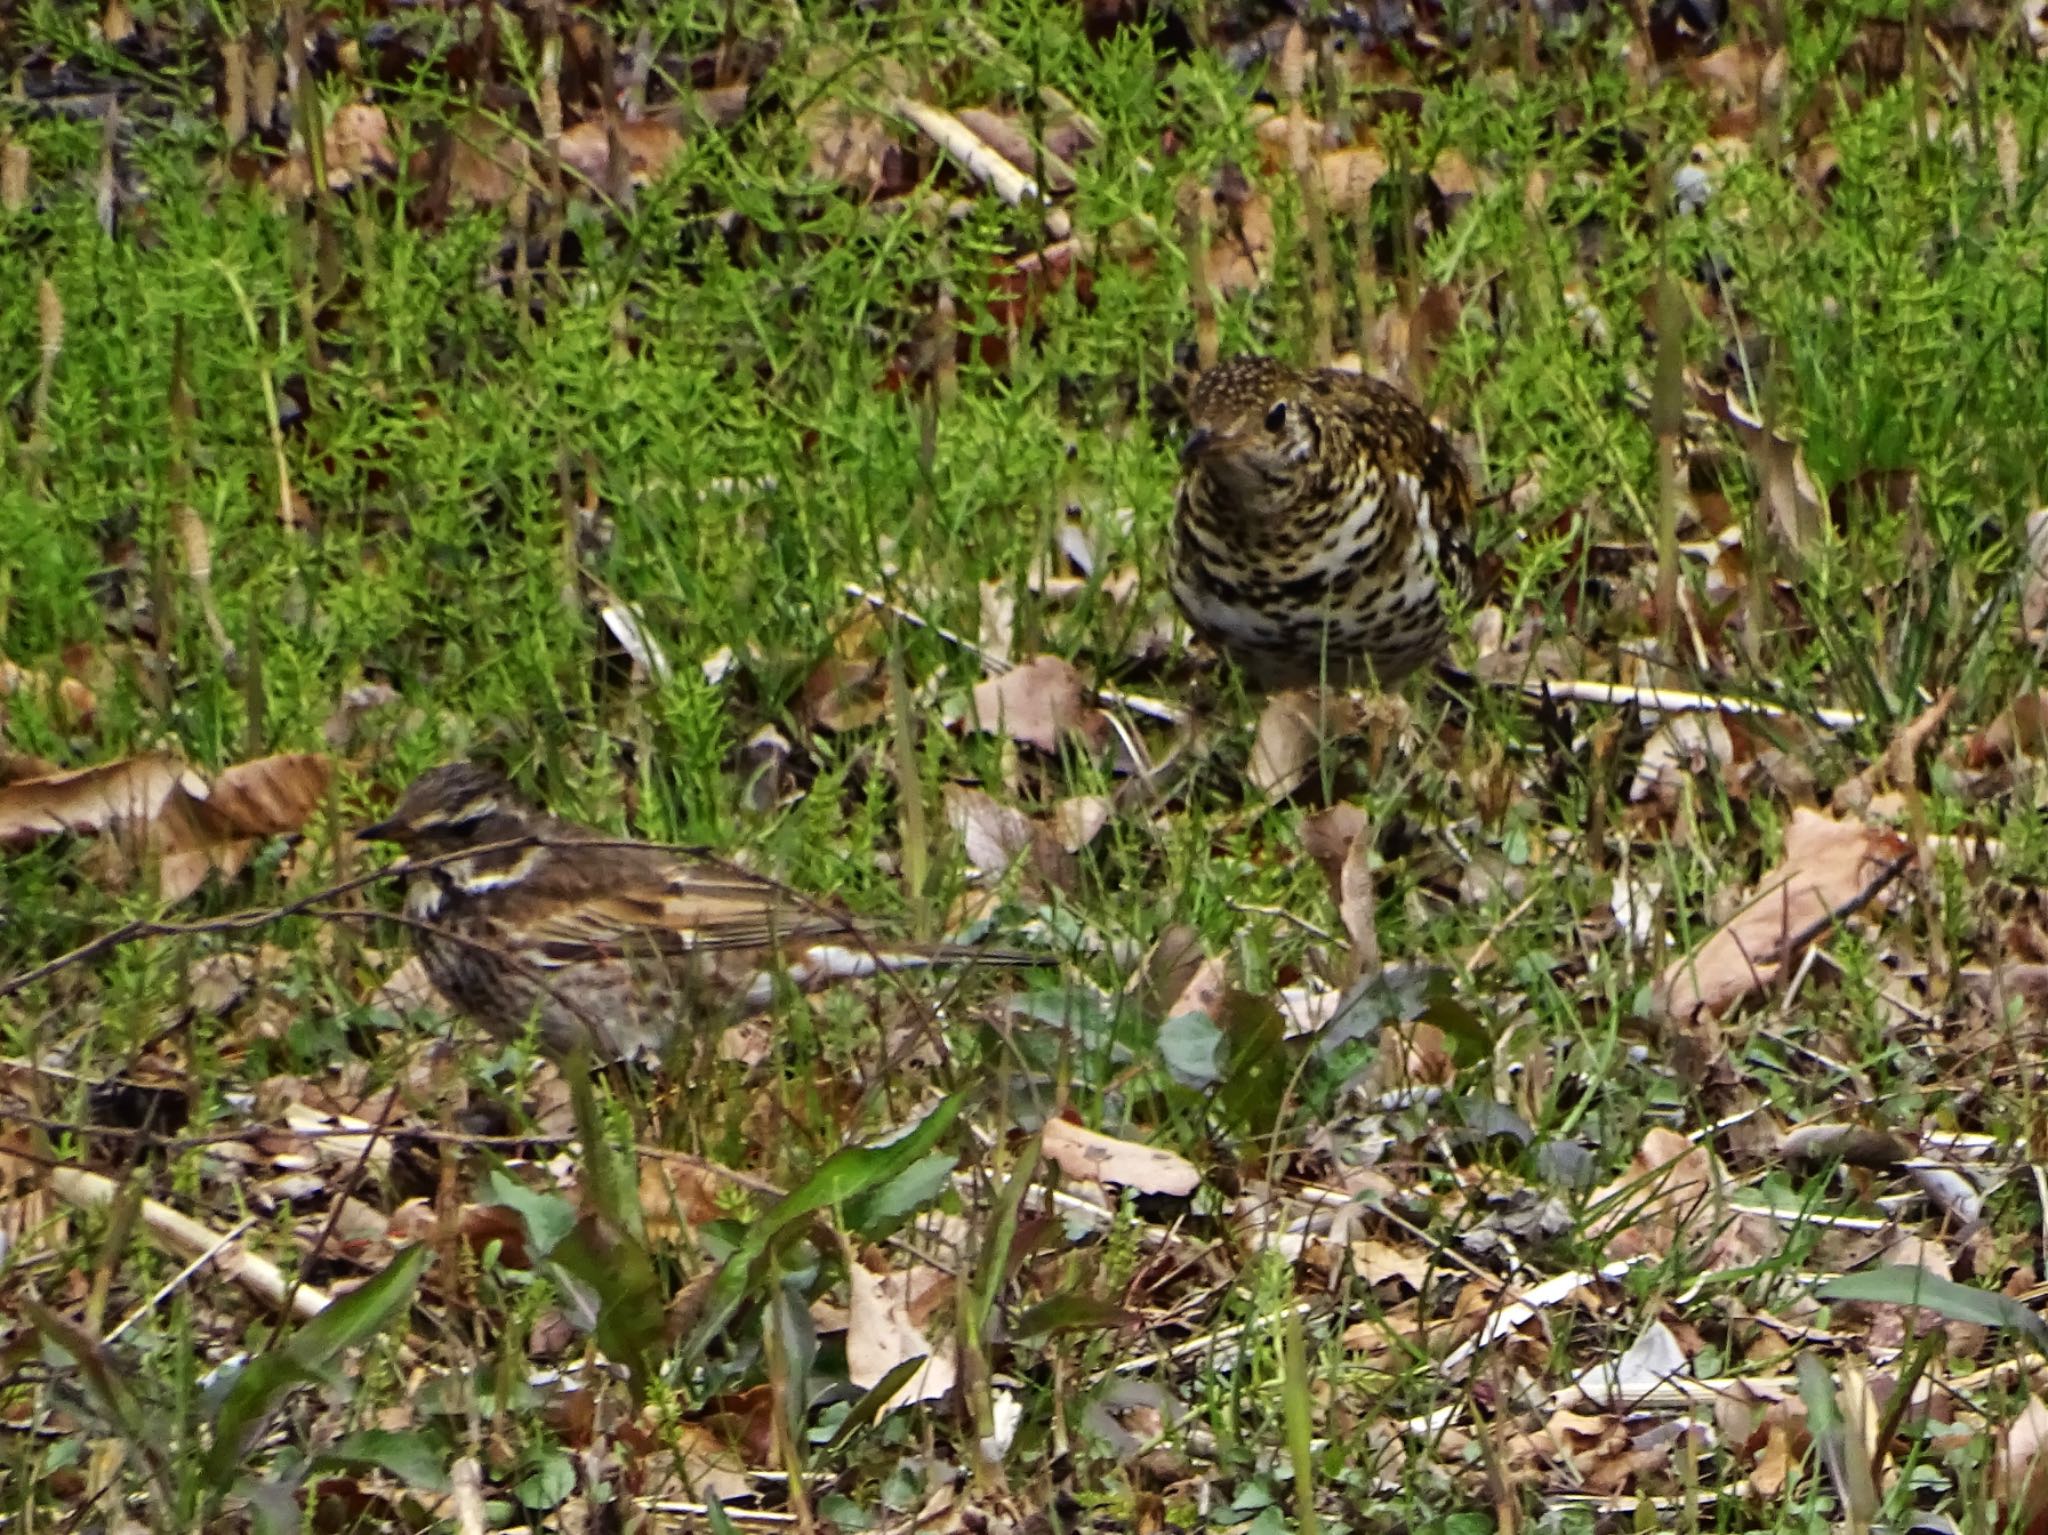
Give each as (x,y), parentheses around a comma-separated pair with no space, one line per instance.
(980,160)
(1678,701)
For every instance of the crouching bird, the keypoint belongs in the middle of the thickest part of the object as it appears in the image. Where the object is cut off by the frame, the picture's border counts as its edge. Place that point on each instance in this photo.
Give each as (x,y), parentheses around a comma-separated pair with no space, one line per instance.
(620,946)
(1320,519)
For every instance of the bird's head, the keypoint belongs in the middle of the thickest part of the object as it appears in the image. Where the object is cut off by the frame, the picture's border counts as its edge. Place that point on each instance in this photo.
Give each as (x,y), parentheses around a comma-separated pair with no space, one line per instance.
(1255,428)
(457,805)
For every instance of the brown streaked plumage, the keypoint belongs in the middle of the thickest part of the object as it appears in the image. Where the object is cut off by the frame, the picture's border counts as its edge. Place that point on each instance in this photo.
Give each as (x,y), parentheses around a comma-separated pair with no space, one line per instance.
(520,916)
(1319,519)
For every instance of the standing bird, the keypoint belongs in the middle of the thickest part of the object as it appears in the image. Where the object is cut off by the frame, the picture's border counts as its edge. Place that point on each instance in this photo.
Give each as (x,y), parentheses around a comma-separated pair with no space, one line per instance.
(1319,518)
(618,945)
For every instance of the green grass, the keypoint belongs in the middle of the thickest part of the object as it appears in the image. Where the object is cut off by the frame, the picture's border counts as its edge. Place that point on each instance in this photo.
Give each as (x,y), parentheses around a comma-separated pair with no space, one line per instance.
(706,382)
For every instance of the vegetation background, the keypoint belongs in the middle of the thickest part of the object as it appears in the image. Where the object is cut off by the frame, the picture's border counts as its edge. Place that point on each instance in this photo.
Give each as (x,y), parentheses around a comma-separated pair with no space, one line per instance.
(1525,1103)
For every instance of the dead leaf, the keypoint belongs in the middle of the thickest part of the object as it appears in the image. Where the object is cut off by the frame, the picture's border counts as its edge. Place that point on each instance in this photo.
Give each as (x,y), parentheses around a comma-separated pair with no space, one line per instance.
(647,144)
(1349,175)
(1285,744)
(854,149)
(1684,746)
(92,799)
(1203,991)
(1827,865)
(1672,1194)
(162,811)
(1899,764)
(2034,594)
(1077,820)
(2020,730)
(70,701)
(270,796)
(1339,840)
(486,163)
(1241,247)
(1792,504)
(357,142)
(842,694)
(1037,703)
(880,1335)
(2019,1467)
(996,835)
(1099,1158)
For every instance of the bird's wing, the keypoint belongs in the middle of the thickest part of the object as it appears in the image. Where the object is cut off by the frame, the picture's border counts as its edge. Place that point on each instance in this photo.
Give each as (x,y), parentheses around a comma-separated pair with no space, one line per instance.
(1419,465)
(647,901)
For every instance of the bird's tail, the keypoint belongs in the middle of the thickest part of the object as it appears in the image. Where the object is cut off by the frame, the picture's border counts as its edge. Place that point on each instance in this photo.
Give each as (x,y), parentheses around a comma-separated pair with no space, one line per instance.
(821,962)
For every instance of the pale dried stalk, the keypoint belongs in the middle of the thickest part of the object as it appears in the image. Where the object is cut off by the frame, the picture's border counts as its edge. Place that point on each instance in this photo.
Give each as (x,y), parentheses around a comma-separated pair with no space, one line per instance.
(980,160)
(50,326)
(234,69)
(197,546)
(106,185)
(285,515)
(14,178)
(1678,701)
(186,1238)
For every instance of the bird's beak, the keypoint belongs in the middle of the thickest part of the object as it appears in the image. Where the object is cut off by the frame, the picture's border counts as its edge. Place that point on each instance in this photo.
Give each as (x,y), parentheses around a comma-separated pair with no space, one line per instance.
(1196,445)
(377,831)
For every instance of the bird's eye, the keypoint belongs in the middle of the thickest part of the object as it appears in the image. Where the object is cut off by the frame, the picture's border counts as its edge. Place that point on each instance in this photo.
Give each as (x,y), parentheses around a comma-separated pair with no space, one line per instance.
(1276,418)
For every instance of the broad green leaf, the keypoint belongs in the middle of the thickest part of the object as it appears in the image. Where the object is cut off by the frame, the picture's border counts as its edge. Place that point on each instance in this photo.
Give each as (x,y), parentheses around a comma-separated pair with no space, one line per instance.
(1257,1063)
(547,1217)
(619,1270)
(877,1213)
(1906,1285)
(848,1172)
(415,1458)
(1067,1313)
(1192,1047)
(611,1185)
(874,1399)
(305,1356)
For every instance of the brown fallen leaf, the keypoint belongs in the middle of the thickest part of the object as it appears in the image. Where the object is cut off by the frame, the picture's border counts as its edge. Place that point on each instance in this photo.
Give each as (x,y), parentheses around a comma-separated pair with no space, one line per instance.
(69,701)
(2019,1468)
(842,694)
(881,1334)
(1899,764)
(1083,1153)
(160,811)
(1791,502)
(1673,1194)
(1285,743)
(996,835)
(1339,840)
(1685,745)
(1077,821)
(1204,990)
(2034,593)
(1828,865)
(1037,703)
(647,144)
(92,799)
(2020,730)
(485,163)
(357,142)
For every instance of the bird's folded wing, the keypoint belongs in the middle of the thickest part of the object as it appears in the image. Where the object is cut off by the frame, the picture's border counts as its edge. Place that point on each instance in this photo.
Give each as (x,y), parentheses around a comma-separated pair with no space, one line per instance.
(693,911)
